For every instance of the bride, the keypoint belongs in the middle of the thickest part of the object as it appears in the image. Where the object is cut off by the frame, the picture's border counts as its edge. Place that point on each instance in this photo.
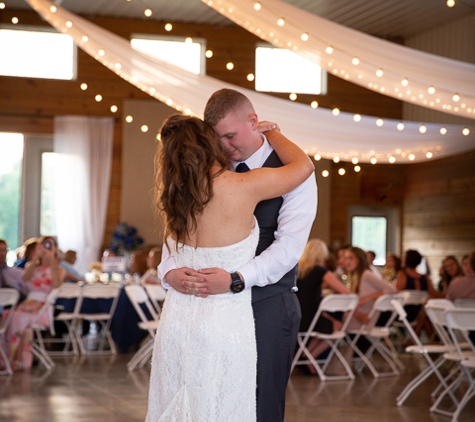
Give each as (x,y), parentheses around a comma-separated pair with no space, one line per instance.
(204,359)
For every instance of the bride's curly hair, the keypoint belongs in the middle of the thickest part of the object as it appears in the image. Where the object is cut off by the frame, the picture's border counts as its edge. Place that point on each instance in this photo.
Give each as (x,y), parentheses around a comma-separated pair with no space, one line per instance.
(184,172)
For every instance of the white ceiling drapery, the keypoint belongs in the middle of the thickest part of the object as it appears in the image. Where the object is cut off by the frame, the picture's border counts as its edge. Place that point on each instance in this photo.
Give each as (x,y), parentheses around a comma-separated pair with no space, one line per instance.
(407,74)
(317,131)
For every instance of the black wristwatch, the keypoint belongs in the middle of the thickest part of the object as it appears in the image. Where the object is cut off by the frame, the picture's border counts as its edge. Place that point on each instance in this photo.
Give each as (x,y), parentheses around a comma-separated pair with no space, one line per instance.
(237,285)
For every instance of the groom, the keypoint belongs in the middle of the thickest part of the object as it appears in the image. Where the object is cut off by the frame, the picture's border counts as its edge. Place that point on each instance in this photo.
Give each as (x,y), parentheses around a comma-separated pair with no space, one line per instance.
(284,225)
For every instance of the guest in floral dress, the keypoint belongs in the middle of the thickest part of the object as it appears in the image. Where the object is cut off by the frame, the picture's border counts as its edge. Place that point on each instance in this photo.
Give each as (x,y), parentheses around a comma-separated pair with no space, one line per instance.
(43,274)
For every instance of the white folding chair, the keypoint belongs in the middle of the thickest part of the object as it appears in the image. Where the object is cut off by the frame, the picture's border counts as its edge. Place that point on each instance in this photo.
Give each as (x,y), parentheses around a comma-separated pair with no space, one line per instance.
(379,339)
(464,303)
(459,322)
(102,315)
(8,298)
(410,298)
(425,350)
(435,310)
(68,291)
(157,295)
(37,344)
(141,302)
(330,303)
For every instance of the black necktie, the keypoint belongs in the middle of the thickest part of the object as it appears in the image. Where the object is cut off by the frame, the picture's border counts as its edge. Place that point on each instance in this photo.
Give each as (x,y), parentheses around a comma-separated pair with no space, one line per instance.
(242,168)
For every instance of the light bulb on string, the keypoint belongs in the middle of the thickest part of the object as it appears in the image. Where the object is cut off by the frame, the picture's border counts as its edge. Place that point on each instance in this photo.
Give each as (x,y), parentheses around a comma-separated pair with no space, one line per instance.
(355,61)
(341,171)
(257,6)
(431,90)
(336,111)
(379,73)
(314,104)
(422,129)
(329,49)
(357,118)
(357,169)
(325,173)
(168,27)
(304,36)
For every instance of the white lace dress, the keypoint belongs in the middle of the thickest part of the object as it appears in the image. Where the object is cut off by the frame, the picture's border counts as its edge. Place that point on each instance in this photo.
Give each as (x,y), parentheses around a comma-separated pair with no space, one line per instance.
(204,358)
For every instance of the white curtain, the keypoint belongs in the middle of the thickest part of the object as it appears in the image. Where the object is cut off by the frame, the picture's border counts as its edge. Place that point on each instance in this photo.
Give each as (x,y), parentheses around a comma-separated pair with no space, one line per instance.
(318,131)
(82,180)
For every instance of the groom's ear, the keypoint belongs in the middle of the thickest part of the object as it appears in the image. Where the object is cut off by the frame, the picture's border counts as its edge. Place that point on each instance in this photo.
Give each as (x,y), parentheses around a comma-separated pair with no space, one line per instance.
(254,120)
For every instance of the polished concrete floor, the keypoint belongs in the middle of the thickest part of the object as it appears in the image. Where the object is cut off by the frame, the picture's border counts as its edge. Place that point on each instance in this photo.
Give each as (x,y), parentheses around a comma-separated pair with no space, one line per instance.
(98,389)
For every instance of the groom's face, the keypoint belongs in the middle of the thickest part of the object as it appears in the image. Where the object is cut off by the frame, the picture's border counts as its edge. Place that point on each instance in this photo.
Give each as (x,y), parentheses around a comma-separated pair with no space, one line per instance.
(238,132)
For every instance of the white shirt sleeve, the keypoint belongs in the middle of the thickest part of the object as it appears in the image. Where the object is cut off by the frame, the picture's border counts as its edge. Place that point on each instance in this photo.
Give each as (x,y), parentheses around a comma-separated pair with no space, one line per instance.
(167,264)
(295,221)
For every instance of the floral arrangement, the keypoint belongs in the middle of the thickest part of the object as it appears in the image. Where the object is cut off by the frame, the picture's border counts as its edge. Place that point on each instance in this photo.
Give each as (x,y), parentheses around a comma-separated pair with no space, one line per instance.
(125,238)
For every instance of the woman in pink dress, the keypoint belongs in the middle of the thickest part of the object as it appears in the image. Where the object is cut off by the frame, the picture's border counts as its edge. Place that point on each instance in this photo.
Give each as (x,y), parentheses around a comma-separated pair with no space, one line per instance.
(43,274)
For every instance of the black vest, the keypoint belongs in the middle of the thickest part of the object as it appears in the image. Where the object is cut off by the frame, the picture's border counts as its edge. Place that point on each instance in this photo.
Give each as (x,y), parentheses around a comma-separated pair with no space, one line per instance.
(267,213)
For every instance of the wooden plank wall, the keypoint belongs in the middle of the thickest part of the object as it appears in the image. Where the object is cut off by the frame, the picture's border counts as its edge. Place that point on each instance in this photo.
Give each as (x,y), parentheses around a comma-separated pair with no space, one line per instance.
(28,105)
(439,208)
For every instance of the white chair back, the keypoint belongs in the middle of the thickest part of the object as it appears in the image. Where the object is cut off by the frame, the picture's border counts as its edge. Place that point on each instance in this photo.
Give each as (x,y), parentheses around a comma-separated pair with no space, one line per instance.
(8,298)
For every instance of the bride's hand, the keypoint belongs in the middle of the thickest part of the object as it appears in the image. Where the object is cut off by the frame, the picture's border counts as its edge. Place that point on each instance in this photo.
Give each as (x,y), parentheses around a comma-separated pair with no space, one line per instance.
(265,126)
(186,281)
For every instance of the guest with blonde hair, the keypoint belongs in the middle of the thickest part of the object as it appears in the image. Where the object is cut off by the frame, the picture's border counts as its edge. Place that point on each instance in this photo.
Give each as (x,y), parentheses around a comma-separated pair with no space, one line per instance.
(365,284)
(312,277)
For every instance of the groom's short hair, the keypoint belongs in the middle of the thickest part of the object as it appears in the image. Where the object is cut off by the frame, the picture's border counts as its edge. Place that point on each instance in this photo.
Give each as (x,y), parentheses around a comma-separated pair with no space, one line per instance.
(222,102)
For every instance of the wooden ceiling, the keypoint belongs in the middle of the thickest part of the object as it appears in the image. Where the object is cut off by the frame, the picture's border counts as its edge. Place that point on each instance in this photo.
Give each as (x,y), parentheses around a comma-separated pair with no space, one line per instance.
(389,19)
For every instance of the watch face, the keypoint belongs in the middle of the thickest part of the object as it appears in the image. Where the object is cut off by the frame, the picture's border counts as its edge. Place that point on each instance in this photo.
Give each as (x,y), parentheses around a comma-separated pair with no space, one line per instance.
(237,286)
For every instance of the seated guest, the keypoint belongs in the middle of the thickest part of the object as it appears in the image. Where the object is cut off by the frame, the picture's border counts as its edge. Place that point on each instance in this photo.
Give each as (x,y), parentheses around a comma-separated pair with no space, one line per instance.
(43,274)
(153,260)
(391,268)
(340,271)
(365,284)
(409,279)
(26,252)
(11,276)
(463,287)
(370,257)
(68,261)
(449,270)
(138,263)
(312,277)
(466,266)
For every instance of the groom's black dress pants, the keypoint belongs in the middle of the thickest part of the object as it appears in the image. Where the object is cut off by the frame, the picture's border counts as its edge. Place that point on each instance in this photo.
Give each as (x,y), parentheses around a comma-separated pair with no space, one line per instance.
(277,321)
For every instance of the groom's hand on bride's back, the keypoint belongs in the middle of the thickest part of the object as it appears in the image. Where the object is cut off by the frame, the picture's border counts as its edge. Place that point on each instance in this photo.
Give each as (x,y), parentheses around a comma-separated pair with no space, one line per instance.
(216,280)
(186,281)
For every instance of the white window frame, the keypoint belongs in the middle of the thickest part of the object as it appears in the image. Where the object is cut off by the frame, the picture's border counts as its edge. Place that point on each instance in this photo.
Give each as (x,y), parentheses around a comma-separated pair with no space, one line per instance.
(392,217)
(264,76)
(72,76)
(30,213)
(175,39)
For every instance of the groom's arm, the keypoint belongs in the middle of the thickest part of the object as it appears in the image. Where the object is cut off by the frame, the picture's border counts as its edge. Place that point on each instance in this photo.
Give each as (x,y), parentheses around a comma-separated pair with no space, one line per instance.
(295,221)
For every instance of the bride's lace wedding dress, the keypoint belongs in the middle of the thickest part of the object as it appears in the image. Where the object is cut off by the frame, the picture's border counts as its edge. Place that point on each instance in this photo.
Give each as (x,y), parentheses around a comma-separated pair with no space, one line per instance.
(204,358)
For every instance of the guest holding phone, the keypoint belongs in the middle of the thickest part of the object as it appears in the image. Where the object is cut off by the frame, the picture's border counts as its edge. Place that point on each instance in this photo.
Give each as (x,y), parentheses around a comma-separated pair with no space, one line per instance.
(43,274)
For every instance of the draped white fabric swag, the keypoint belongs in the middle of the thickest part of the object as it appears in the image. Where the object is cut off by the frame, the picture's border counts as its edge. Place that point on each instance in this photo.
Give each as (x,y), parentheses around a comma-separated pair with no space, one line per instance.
(317,131)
